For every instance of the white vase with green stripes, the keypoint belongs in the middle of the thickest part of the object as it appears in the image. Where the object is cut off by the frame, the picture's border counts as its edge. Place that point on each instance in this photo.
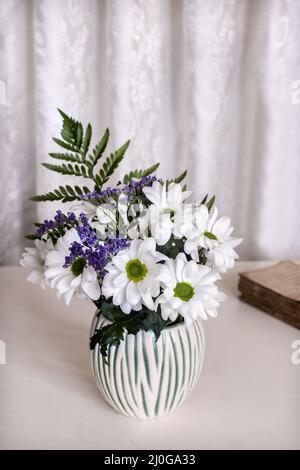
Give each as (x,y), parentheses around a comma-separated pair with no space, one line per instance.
(145,378)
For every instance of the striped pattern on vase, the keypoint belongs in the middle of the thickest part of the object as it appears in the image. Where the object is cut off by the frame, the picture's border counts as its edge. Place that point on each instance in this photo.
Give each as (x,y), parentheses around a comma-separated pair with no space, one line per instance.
(147,378)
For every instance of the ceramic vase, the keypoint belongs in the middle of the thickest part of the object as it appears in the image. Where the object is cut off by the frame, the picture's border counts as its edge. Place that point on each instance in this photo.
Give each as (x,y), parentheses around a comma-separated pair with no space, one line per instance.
(147,378)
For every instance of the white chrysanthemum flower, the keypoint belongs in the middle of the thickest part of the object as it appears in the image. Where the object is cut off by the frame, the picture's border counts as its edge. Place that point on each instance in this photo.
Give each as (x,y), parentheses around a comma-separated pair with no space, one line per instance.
(78,277)
(34,259)
(131,279)
(215,236)
(102,218)
(166,203)
(189,290)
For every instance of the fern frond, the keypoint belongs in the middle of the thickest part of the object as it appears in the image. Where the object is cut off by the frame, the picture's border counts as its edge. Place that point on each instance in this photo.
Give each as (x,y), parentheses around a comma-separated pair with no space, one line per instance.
(140,173)
(99,148)
(74,170)
(72,131)
(177,180)
(86,141)
(63,193)
(65,145)
(68,157)
(110,165)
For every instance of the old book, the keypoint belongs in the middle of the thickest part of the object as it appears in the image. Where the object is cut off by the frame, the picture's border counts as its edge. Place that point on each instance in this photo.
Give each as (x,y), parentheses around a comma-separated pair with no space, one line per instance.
(275,290)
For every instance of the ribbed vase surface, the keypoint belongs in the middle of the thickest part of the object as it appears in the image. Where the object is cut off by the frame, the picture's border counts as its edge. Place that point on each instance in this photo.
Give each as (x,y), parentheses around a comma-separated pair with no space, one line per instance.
(145,378)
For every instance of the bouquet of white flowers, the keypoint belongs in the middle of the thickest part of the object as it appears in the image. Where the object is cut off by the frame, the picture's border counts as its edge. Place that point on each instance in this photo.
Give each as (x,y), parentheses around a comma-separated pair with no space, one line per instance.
(145,256)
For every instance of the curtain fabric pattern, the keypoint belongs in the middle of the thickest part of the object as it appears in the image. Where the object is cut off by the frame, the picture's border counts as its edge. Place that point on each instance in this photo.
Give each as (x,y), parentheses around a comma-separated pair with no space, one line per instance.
(208,85)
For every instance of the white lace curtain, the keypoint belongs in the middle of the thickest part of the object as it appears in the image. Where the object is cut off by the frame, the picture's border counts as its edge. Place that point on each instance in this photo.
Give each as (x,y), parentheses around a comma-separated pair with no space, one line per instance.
(211,85)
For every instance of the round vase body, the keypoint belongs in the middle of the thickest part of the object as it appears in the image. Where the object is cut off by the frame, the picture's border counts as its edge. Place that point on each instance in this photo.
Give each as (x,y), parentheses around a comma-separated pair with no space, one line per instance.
(145,378)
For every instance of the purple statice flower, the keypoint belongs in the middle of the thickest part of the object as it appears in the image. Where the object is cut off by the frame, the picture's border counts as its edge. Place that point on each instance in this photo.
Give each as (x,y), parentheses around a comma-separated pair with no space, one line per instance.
(86,233)
(97,255)
(130,189)
(59,220)
(138,185)
(97,196)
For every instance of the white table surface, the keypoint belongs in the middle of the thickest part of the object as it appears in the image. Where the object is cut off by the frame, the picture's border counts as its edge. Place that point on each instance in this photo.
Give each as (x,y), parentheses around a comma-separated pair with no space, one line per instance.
(248,395)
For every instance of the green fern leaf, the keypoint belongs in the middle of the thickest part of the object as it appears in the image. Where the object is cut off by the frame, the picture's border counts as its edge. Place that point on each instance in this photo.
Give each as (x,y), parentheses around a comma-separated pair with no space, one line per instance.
(140,173)
(132,174)
(177,180)
(65,145)
(68,157)
(111,164)
(71,131)
(150,170)
(51,196)
(86,141)
(64,194)
(76,170)
(79,135)
(99,148)
(180,177)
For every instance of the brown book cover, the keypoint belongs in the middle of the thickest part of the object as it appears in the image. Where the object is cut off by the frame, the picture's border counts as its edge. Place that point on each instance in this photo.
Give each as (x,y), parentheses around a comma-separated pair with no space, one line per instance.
(275,290)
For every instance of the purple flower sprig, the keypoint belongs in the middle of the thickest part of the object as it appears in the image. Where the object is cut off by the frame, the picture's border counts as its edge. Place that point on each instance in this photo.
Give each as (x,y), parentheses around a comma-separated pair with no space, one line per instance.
(96,252)
(60,220)
(130,190)
(86,233)
(97,256)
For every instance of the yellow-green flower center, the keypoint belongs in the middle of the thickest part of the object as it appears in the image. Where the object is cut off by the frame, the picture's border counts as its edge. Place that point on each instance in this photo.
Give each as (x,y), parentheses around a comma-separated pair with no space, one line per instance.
(184,291)
(78,266)
(170,211)
(136,270)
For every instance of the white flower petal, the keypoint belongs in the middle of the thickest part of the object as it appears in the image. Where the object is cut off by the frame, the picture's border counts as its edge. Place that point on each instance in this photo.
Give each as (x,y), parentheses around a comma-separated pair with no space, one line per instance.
(68,296)
(119,296)
(180,262)
(190,272)
(132,293)
(92,289)
(120,280)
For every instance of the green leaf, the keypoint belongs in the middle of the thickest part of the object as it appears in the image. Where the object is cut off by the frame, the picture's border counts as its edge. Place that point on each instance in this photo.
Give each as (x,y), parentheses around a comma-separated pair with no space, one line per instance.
(32,236)
(210,235)
(150,170)
(154,322)
(111,164)
(99,148)
(71,131)
(111,311)
(140,173)
(68,157)
(69,169)
(86,141)
(64,194)
(65,145)
(109,335)
(210,203)
(51,196)
(172,247)
(204,199)
(132,174)
(180,177)
(113,334)
(79,135)
(177,180)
